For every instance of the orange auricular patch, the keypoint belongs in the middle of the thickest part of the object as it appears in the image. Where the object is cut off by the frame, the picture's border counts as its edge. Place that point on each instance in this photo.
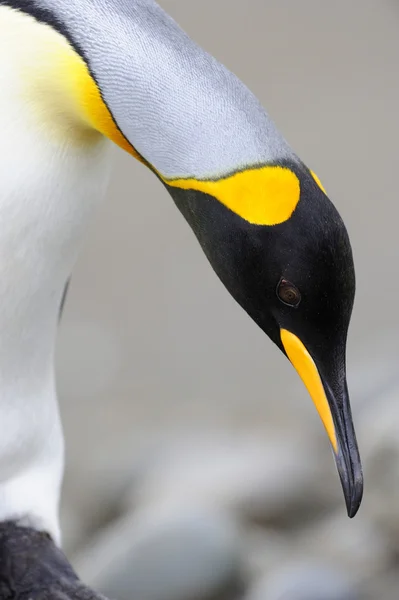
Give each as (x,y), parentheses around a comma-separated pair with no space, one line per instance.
(262,196)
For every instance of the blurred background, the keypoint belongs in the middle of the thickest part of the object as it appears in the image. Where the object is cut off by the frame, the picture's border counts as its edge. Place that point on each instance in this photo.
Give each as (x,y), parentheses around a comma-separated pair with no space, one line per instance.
(197,467)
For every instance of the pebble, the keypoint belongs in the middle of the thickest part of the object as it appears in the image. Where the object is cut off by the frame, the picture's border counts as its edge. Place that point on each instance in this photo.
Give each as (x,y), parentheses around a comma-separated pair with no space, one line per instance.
(304,581)
(383,588)
(165,555)
(378,432)
(355,546)
(264,549)
(262,480)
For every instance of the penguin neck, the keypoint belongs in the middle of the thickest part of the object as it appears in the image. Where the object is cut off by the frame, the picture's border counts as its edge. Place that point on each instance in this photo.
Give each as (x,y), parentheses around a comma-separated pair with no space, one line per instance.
(181,109)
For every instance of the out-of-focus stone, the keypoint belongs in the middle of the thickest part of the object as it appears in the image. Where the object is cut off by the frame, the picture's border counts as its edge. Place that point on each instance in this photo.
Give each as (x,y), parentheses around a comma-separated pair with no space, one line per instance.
(164,555)
(276,478)
(379,433)
(263,550)
(73,529)
(305,581)
(356,546)
(383,588)
(370,377)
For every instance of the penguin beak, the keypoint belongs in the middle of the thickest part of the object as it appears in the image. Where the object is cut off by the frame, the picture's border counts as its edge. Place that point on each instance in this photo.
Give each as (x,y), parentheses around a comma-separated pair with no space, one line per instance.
(335,413)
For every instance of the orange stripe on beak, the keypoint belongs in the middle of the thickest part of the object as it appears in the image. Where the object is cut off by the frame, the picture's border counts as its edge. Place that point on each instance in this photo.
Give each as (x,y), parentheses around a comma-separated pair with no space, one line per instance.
(307,370)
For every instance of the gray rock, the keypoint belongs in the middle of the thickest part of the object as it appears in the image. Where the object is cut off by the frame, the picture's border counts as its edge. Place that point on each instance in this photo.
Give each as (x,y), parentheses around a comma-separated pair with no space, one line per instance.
(73,529)
(165,555)
(305,581)
(263,550)
(385,587)
(355,546)
(371,378)
(262,479)
(378,433)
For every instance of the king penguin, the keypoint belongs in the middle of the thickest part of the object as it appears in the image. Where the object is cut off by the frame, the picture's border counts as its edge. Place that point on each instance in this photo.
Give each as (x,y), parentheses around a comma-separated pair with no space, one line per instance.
(77,77)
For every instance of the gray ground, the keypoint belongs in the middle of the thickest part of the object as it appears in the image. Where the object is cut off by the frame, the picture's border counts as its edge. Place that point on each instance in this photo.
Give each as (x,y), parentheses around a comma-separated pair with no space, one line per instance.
(194,456)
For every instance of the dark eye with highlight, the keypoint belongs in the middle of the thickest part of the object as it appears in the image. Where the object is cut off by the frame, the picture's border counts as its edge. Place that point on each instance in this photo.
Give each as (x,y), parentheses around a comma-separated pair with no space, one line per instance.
(288,293)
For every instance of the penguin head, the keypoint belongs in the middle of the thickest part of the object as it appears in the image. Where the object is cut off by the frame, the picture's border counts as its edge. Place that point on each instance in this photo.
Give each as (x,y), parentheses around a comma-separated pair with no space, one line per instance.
(296,280)
(298,275)
(269,230)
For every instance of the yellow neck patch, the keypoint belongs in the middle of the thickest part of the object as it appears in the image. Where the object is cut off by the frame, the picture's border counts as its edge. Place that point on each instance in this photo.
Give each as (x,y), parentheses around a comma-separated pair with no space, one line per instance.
(56,84)
(89,106)
(317,180)
(262,196)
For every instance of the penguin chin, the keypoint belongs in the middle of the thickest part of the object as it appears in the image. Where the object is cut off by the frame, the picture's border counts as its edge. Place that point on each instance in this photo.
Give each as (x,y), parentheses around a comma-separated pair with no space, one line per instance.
(32,566)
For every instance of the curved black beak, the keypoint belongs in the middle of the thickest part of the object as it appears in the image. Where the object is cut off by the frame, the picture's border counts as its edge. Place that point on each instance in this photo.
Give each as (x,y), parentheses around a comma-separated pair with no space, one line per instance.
(346,454)
(331,398)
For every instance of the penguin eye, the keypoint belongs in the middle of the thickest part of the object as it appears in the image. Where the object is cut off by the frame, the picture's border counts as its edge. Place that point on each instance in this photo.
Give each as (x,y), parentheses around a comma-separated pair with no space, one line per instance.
(288,293)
